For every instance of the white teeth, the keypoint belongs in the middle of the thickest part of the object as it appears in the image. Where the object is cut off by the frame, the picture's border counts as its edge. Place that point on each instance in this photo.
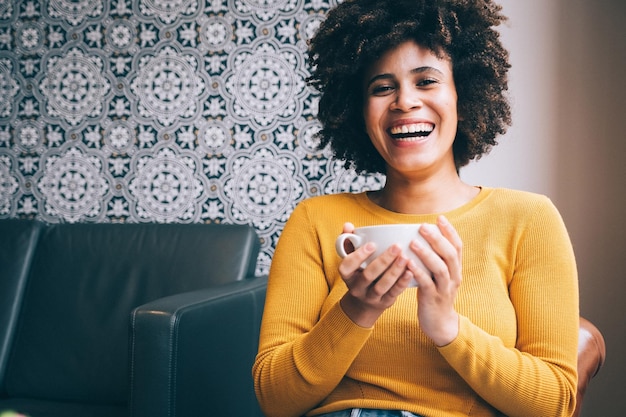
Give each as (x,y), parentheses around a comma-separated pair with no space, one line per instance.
(412,128)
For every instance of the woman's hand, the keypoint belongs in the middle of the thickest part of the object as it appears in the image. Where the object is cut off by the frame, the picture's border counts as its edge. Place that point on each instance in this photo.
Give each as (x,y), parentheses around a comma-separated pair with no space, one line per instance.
(374,289)
(437,293)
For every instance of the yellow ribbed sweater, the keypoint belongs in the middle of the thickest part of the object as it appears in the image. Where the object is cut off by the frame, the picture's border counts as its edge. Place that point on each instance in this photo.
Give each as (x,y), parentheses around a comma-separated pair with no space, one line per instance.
(516,351)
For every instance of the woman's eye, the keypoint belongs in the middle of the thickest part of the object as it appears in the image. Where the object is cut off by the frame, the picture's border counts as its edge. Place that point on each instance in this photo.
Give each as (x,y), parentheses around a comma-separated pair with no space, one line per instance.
(381,89)
(426,82)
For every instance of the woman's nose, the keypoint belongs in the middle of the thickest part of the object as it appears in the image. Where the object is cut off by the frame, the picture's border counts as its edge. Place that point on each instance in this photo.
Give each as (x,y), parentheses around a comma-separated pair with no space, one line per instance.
(406,99)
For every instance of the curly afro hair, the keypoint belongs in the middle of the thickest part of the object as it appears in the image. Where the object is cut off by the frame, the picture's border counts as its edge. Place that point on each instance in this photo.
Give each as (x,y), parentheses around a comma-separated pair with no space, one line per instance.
(356,33)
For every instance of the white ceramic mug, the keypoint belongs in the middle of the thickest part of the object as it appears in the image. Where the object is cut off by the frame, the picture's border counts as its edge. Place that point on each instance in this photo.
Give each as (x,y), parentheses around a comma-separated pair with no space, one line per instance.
(383,236)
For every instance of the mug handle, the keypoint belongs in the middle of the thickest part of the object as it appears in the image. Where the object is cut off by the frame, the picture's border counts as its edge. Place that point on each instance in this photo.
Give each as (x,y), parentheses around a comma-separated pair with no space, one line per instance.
(356,241)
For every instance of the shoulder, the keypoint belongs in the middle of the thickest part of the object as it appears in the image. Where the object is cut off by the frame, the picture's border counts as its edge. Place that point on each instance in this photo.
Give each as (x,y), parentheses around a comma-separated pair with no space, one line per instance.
(322,215)
(341,201)
(522,206)
(517,199)
(325,207)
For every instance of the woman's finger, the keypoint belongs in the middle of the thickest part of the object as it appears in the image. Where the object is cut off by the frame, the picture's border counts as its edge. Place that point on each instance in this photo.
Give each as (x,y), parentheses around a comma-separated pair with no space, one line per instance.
(452,259)
(348,227)
(354,261)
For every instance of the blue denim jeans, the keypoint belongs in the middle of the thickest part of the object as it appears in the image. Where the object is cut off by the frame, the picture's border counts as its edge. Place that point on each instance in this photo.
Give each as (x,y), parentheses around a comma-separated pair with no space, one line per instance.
(367,412)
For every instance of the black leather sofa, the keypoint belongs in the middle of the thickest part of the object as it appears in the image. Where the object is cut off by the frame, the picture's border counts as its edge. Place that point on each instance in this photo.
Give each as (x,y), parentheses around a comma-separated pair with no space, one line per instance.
(114,320)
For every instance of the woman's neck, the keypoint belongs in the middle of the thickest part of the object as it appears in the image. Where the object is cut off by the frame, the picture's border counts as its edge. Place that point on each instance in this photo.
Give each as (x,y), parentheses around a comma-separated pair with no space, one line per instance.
(423,197)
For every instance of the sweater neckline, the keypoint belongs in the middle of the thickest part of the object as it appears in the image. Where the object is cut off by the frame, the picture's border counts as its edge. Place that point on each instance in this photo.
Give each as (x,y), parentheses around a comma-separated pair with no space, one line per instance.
(393,216)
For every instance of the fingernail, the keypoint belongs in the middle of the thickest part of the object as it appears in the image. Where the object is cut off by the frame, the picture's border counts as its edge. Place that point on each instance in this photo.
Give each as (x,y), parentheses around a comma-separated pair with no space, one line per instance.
(417,243)
(369,247)
(427,227)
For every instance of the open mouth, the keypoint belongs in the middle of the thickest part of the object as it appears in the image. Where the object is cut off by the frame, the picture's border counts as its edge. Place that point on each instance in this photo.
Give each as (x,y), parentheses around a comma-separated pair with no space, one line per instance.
(411,131)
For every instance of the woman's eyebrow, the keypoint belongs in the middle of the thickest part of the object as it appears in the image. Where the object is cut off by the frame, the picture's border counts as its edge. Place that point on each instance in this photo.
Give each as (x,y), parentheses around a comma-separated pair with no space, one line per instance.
(426,69)
(418,70)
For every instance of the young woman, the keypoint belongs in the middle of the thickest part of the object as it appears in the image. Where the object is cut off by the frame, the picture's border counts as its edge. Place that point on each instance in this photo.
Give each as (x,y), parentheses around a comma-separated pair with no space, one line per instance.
(415,90)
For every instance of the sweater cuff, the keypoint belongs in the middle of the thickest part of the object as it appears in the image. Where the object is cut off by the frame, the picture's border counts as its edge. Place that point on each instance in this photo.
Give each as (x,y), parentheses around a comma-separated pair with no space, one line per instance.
(456,350)
(344,330)
(335,341)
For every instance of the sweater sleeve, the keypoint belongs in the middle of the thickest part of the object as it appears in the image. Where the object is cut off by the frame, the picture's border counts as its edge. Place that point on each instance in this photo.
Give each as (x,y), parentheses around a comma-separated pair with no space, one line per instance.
(537,376)
(303,354)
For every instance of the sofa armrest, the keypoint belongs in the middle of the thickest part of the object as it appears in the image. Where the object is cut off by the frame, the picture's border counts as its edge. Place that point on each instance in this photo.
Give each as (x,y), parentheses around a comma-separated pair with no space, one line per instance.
(191,354)
(591,356)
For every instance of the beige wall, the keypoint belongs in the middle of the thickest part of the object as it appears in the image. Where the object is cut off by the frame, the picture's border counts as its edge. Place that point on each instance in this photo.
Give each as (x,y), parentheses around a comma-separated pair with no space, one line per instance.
(568,84)
(523,158)
(591,174)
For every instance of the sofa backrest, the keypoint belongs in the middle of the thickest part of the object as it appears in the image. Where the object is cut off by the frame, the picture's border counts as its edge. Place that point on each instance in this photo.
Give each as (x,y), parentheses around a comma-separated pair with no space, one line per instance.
(71,341)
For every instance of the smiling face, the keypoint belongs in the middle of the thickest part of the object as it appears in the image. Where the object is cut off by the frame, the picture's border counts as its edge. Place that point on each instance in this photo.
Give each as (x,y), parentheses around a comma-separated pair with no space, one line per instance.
(410,109)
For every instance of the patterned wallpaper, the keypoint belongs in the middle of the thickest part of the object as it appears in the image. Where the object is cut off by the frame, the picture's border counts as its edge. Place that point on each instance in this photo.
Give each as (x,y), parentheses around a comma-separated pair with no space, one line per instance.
(161,111)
